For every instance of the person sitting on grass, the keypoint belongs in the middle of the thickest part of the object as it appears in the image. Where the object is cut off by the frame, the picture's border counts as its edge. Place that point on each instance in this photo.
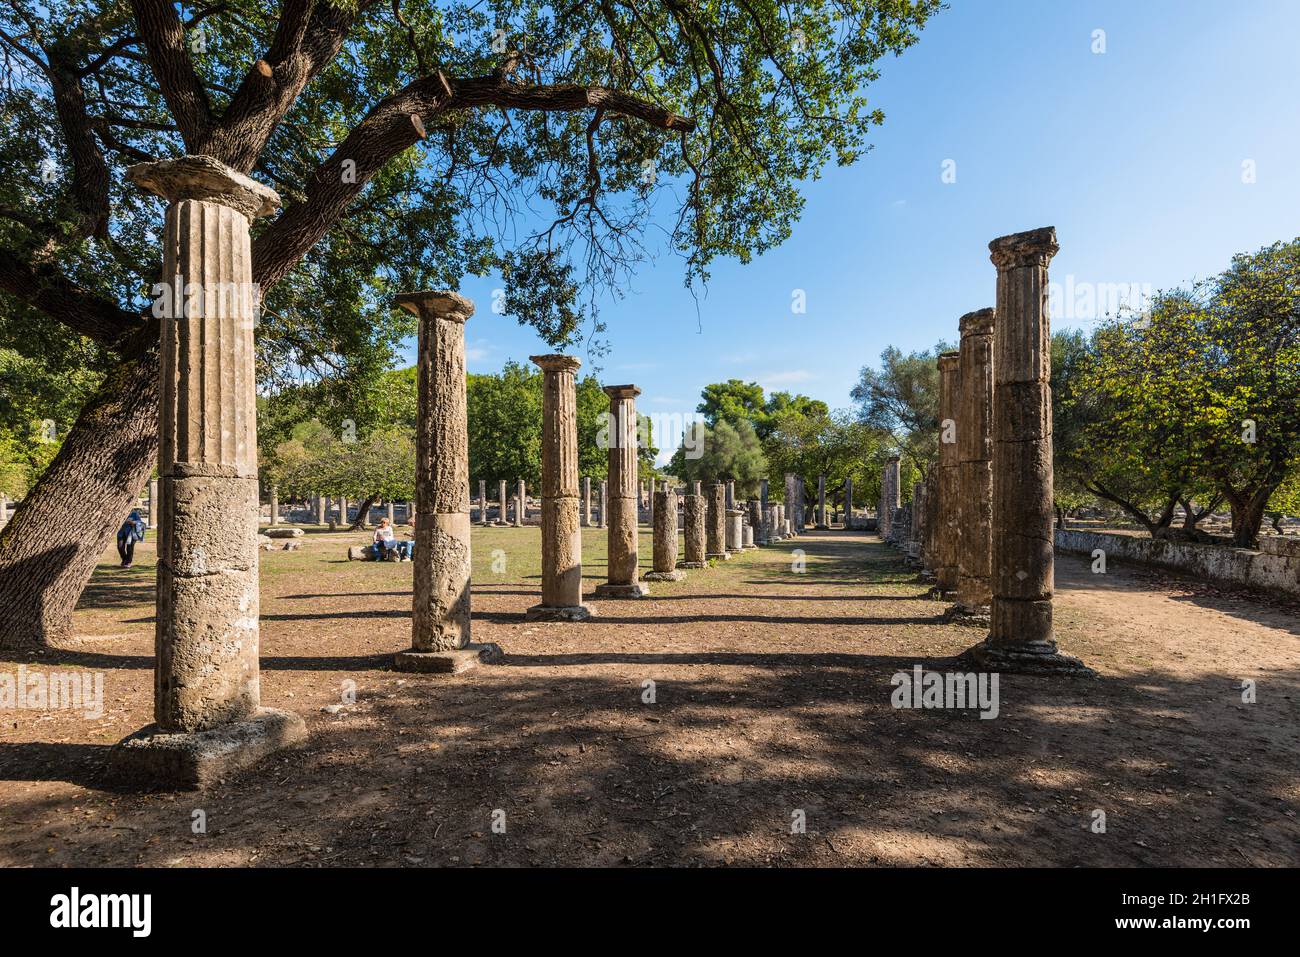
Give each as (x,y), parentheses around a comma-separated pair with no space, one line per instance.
(386,543)
(132,531)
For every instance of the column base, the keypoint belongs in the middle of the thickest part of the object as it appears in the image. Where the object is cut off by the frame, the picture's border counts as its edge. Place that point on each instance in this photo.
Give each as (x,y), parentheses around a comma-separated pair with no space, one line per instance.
(673,576)
(611,590)
(692,564)
(980,616)
(187,761)
(448,662)
(559,613)
(719,556)
(939,593)
(1026,658)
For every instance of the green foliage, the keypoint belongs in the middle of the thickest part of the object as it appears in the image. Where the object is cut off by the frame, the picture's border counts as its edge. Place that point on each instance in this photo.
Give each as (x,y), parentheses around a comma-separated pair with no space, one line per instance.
(901,400)
(729,452)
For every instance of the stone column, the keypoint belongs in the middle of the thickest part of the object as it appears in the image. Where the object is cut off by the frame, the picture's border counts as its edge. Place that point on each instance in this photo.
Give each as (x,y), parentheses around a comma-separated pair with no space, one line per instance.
(696,488)
(561,533)
(440,603)
(503,506)
(974,464)
(322,504)
(521,502)
(650,504)
(154,505)
(604,503)
(586,501)
(764,530)
(343,510)
(848,503)
(665,538)
(390,511)
(731,493)
(207,702)
(1021,637)
(755,521)
(916,532)
(821,502)
(693,519)
(735,533)
(947,519)
(4,511)
(889,498)
(482,502)
(715,522)
(621,551)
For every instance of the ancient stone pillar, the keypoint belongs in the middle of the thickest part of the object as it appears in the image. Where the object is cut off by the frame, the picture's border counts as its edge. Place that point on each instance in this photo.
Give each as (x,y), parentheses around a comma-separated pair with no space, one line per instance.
(696,488)
(665,538)
(343,510)
(390,511)
(693,520)
(153,506)
(821,502)
(917,530)
(440,603)
(621,551)
(731,493)
(764,528)
(322,504)
(503,517)
(4,511)
(482,502)
(207,707)
(747,539)
(561,533)
(521,502)
(974,463)
(715,527)
(586,501)
(735,535)
(650,504)
(1021,637)
(604,503)
(889,498)
(755,521)
(946,515)
(848,503)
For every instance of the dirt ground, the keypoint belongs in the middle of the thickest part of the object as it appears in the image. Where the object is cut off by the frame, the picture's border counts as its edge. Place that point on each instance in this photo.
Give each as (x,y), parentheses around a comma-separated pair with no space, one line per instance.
(771,697)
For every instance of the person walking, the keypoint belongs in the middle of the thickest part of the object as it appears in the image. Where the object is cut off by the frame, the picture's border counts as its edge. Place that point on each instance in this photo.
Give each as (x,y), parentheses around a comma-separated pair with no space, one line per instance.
(132,531)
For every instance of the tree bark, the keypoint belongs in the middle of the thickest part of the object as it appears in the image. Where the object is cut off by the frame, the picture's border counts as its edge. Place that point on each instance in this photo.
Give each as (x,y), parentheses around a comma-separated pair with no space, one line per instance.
(50,548)
(363,514)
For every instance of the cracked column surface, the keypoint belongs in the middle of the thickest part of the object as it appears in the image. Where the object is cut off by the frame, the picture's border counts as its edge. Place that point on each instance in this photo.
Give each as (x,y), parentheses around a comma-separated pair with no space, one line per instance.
(1021,636)
(207,701)
(715,525)
(561,532)
(974,463)
(665,537)
(623,534)
(440,603)
(693,518)
(947,515)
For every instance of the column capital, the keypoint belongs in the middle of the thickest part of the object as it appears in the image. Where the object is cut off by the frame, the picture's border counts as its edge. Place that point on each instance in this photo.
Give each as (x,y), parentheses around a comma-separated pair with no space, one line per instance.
(556,362)
(977,323)
(948,360)
(622,391)
(1035,247)
(442,304)
(205,178)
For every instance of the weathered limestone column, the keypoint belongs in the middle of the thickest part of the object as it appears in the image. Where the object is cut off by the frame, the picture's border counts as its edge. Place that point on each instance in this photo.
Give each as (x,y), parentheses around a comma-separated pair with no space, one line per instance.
(604,503)
(482,502)
(621,551)
(715,526)
(561,533)
(848,503)
(755,522)
(735,535)
(586,501)
(1021,636)
(821,502)
(207,701)
(694,512)
(929,537)
(440,602)
(947,517)
(4,511)
(974,464)
(697,487)
(521,499)
(154,505)
(665,538)
(764,530)
(322,504)
(731,493)
(390,511)
(889,498)
(503,518)
(917,531)
(343,510)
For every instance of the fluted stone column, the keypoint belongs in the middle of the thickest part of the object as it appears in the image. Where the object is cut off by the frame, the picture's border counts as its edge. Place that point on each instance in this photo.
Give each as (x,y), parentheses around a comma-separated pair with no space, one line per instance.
(665,538)
(974,464)
(694,510)
(621,551)
(561,533)
(821,502)
(604,503)
(521,502)
(207,702)
(947,515)
(586,501)
(735,533)
(440,603)
(1021,636)
(715,524)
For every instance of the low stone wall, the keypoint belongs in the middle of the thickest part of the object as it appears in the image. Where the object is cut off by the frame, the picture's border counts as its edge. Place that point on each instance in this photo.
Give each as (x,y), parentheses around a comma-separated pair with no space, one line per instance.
(1275,568)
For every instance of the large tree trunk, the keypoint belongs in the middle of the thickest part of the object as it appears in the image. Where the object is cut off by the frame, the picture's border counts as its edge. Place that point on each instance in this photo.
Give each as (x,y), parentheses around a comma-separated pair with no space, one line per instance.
(50,548)
(1248,516)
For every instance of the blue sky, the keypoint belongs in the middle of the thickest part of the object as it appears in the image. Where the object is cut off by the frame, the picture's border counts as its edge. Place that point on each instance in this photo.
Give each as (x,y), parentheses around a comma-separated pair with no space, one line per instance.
(1135,155)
